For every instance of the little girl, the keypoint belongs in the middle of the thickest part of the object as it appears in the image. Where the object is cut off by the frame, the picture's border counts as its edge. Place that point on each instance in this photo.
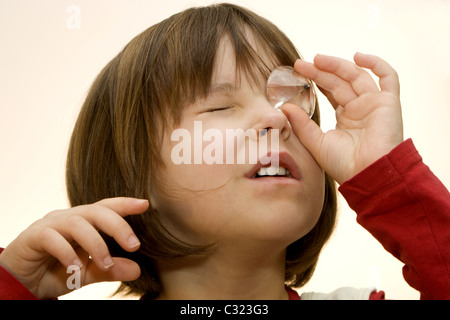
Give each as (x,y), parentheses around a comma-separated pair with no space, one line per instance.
(227,230)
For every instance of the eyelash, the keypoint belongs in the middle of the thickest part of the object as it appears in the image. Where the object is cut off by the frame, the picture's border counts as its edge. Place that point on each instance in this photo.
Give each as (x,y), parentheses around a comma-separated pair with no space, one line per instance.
(220,109)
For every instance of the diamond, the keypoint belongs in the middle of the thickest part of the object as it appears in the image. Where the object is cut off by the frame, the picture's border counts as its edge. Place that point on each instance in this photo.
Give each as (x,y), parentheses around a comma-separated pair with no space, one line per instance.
(285,85)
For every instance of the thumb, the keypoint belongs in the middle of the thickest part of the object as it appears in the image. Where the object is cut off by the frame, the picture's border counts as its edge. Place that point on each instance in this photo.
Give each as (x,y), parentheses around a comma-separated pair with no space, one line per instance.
(307,131)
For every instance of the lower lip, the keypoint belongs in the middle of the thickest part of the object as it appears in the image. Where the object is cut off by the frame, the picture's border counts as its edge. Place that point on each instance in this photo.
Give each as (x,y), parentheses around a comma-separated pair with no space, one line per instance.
(275,181)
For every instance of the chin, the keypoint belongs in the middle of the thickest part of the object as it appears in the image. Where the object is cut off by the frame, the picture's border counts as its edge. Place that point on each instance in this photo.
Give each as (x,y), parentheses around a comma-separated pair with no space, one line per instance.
(282,222)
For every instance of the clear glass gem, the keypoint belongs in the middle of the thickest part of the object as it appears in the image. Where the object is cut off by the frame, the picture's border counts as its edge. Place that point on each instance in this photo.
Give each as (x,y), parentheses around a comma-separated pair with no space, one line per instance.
(286,85)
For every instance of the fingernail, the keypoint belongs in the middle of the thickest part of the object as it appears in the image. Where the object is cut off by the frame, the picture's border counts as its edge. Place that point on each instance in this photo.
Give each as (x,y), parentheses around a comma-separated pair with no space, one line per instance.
(133,241)
(141,201)
(108,262)
(77,263)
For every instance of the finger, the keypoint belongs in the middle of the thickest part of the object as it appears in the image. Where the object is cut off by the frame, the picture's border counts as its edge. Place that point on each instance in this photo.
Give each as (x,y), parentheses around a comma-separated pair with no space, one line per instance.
(87,237)
(388,76)
(111,223)
(307,131)
(337,88)
(359,79)
(330,97)
(52,242)
(125,206)
(124,270)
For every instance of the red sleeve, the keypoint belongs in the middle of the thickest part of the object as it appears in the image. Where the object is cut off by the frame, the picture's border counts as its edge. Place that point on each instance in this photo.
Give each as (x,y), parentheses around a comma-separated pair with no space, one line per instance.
(377,295)
(405,207)
(11,288)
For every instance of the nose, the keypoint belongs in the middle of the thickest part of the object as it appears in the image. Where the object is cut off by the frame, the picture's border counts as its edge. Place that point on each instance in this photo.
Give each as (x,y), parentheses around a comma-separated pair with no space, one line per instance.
(269,118)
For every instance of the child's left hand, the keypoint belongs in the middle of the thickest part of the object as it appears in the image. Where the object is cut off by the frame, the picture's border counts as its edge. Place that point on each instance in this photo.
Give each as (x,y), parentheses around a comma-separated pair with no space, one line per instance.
(369,121)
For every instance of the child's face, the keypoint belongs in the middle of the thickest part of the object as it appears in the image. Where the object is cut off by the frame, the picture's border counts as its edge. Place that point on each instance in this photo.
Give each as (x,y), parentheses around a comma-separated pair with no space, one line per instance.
(223,203)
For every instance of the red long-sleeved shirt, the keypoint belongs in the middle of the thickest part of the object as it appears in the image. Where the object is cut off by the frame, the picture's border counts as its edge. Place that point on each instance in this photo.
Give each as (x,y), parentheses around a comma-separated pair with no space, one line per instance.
(407,209)
(401,203)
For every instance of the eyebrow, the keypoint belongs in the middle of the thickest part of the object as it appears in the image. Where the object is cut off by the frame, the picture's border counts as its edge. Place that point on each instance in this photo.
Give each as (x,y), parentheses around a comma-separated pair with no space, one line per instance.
(226,87)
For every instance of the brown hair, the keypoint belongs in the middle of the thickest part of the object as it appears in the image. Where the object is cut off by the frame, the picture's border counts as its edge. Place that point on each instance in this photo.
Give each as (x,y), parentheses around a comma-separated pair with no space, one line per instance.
(115,145)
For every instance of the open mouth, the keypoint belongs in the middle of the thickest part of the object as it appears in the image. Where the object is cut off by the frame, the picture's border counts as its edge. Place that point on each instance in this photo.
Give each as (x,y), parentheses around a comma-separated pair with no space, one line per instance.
(285,167)
(272,171)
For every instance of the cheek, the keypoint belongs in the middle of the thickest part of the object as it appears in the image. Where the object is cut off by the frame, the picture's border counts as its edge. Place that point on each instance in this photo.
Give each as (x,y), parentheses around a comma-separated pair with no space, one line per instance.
(196,178)
(194,210)
(191,197)
(314,178)
(201,158)
(316,197)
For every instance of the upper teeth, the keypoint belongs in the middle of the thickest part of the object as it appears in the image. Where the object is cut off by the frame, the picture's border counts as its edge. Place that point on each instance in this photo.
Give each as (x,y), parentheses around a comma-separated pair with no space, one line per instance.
(273,171)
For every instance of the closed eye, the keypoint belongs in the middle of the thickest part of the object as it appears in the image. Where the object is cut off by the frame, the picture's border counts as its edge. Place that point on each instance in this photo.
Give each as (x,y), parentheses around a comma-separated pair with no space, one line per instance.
(219,109)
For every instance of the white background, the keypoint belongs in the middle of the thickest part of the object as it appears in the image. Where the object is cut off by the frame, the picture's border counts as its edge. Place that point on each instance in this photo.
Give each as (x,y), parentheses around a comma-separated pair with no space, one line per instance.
(50,52)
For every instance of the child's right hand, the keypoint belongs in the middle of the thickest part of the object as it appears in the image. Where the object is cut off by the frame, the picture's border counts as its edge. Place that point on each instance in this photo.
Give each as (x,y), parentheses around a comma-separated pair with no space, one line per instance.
(368,118)
(40,255)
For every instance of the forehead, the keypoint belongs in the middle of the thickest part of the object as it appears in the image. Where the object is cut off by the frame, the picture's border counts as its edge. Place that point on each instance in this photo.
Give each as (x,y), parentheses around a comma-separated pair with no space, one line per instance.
(224,70)
(251,67)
